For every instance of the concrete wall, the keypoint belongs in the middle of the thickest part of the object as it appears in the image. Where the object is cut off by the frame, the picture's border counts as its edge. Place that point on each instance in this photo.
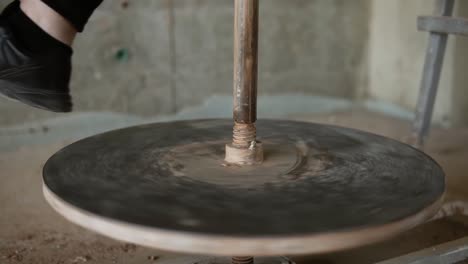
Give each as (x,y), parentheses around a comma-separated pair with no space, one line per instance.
(459,104)
(160,56)
(156,57)
(396,57)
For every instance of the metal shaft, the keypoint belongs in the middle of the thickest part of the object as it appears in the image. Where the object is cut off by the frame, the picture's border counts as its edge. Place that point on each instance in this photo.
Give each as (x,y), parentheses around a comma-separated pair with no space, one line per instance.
(245,149)
(431,76)
(245,71)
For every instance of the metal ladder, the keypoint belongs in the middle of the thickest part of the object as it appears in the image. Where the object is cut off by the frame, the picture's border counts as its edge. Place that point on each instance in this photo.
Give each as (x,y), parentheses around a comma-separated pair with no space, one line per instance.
(439,26)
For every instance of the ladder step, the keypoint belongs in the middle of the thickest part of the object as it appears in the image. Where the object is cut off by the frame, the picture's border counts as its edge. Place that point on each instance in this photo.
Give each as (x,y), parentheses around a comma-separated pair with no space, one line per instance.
(443,25)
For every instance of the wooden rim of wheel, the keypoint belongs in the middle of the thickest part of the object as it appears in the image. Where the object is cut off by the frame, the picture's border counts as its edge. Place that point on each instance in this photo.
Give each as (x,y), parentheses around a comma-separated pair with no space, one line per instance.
(186,242)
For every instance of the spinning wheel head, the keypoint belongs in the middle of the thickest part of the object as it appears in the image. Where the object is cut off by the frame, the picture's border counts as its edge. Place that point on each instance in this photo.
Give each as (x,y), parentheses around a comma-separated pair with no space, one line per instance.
(320,188)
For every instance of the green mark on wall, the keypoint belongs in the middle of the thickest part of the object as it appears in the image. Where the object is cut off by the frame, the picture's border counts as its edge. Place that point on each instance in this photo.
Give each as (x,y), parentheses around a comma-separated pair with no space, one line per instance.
(122,55)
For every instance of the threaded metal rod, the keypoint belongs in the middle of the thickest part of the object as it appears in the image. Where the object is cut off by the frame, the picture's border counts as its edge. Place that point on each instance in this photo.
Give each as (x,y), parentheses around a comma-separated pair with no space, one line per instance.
(243,135)
(242,260)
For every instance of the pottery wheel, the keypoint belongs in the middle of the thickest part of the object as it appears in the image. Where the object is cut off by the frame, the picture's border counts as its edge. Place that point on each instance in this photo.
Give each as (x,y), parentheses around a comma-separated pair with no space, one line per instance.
(320,188)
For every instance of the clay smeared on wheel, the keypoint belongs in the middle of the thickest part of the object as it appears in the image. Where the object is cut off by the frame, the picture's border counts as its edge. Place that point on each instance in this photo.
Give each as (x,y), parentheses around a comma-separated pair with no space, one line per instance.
(320,188)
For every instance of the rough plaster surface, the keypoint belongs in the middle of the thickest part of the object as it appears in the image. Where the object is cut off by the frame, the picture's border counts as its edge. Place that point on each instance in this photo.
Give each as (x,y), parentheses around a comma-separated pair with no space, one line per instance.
(175,53)
(396,57)
(459,104)
(155,58)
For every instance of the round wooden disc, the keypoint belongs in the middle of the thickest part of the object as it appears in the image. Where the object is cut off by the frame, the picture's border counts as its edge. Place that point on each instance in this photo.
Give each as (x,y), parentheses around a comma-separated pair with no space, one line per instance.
(321,188)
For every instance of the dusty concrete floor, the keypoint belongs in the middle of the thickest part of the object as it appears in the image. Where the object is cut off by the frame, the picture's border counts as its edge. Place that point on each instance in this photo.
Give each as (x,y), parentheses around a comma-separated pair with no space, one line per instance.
(31,232)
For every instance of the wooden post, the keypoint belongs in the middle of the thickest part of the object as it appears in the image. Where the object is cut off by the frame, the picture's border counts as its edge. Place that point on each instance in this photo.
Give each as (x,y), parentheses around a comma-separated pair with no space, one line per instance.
(245,149)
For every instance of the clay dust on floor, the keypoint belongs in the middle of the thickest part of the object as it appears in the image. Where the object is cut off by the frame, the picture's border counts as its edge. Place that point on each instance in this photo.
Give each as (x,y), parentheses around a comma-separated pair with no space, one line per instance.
(31,232)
